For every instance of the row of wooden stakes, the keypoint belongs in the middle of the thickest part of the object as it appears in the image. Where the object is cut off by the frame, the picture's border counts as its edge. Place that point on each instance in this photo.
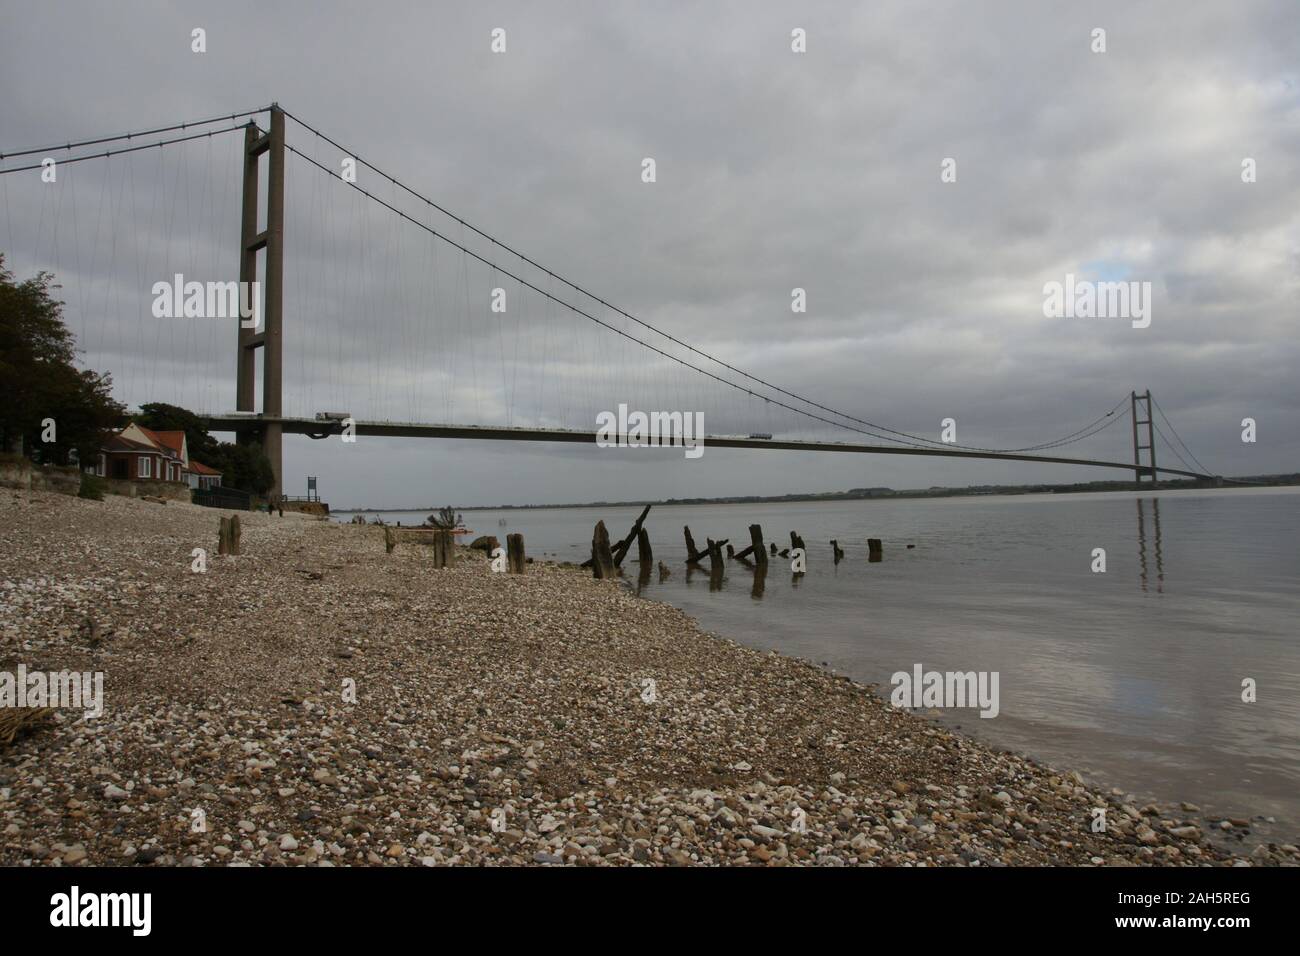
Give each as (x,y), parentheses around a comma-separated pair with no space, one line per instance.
(605,559)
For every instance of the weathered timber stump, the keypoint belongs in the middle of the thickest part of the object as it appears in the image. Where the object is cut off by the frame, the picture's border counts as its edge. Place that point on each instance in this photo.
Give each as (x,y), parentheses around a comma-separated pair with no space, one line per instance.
(664,571)
(755,549)
(602,559)
(235,532)
(773,547)
(643,552)
(839,552)
(444,549)
(223,537)
(515,553)
(693,554)
(621,549)
(875,549)
(390,540)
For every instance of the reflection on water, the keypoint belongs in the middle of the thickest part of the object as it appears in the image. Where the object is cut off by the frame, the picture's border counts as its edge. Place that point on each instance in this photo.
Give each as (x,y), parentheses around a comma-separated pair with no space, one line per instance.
(1134,674)
(1142,545)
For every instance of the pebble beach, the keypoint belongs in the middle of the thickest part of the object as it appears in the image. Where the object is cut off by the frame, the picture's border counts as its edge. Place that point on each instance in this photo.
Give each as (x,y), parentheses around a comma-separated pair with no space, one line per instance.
(317,701)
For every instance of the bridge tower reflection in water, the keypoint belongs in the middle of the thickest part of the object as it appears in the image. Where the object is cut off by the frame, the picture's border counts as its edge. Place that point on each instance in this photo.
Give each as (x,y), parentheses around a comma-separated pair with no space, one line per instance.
(1143,571)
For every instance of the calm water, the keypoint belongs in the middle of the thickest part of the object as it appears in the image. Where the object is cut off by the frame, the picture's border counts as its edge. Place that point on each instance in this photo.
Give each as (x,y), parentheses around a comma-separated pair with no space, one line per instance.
(1132,676)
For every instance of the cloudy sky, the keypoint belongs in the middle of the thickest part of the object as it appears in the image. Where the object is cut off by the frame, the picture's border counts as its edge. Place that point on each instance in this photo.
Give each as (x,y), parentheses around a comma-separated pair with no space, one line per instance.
(774,170)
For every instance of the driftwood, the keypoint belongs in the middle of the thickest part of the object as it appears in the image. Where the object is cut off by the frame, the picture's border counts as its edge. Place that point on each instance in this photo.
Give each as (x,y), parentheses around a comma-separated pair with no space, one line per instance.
(602,559)
(643,553)
(515,553)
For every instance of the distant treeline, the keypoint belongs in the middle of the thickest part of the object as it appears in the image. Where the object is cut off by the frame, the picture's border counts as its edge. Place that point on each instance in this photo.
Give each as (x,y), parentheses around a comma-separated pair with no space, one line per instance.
(859,494)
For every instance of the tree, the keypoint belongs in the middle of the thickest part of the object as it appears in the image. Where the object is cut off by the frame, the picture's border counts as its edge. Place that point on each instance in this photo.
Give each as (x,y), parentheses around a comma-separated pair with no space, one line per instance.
(244,466)
(40,381)
(161,417)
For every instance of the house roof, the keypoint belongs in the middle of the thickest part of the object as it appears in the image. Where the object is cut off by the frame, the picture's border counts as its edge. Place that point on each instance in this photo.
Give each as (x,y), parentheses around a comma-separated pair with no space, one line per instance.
(201,469)
(121,443)
(169,443)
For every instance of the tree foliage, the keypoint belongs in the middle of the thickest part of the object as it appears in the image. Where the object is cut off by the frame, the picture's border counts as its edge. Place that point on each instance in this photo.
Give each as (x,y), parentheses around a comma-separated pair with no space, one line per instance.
(40,381)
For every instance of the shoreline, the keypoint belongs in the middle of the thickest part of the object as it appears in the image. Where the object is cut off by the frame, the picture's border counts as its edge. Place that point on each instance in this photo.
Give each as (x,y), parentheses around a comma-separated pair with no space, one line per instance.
(498,719)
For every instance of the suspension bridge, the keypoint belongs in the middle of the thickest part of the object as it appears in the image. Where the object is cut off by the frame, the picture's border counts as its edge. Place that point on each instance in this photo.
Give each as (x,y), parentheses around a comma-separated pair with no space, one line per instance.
(526,356)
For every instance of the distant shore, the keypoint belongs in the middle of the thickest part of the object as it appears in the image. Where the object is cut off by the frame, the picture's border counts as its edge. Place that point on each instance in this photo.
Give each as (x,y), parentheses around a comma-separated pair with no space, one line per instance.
(877,494)
(318,701)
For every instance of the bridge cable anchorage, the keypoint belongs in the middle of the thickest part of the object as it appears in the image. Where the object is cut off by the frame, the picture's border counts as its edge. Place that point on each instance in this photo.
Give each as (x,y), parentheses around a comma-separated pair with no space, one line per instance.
(910,438)
(127,149)
(9,154)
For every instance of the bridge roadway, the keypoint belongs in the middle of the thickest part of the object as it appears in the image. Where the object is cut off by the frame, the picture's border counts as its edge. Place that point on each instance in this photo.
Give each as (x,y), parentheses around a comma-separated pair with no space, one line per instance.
(383,429)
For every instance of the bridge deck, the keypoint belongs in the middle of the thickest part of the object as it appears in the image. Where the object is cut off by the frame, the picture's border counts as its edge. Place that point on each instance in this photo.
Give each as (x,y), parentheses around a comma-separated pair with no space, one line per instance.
(309,426)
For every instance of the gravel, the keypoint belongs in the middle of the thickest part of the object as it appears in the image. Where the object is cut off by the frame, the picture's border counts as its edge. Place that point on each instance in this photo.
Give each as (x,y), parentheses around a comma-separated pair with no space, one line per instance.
(317,701)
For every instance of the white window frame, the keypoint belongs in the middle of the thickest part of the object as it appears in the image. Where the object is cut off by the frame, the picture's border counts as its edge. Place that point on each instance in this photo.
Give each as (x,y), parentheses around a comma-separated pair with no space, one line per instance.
(102,465)
(145,470)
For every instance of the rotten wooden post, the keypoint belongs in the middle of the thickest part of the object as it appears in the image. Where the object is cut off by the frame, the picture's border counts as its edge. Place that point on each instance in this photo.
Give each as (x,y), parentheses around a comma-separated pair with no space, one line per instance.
(875,549)
(620,550)
(715,563)
(796,542)
(693,554)
(444,549)
(755,549)
(838,551)
(644,555)
(390,540)
(602,559)
(223,537)
(515,553)
(235,532)
(664,571)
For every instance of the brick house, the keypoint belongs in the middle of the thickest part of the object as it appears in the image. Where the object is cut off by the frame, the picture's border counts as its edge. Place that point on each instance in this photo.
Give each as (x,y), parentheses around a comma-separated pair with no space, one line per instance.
(137,453)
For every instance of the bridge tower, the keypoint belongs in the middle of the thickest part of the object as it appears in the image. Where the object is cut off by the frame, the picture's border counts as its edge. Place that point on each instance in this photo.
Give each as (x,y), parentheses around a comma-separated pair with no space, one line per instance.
(270,338)
(1150,447)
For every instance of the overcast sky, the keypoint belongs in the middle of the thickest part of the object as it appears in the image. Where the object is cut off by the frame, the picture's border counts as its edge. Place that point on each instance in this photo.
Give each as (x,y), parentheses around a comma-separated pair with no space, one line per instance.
(775,170)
